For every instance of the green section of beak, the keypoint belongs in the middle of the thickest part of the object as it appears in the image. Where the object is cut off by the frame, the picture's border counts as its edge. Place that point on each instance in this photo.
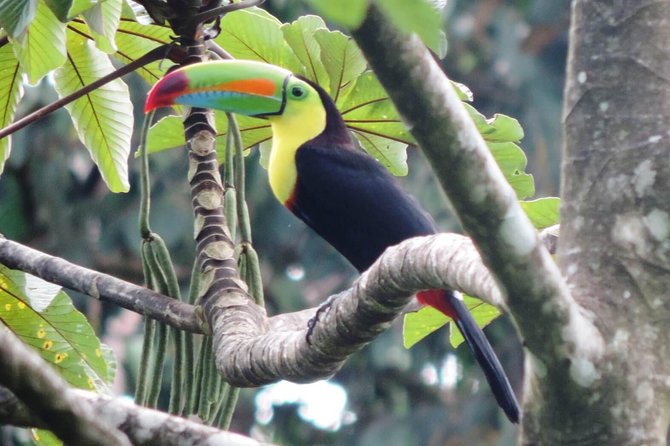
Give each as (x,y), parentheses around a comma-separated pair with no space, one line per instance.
(244,87)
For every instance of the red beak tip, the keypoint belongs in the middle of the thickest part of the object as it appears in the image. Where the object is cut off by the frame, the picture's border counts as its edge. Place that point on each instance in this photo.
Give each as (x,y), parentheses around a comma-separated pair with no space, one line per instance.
(165,91)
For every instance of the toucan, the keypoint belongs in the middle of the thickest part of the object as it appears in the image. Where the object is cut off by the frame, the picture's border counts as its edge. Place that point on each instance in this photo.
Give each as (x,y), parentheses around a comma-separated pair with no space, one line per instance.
(321,175)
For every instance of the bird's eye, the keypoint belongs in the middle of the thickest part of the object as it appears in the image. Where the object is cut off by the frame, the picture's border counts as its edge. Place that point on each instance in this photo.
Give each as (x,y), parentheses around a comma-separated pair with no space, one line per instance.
(298,92)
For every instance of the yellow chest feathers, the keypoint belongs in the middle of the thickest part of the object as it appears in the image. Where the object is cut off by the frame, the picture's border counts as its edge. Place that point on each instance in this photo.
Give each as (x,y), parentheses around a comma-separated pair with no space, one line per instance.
(300,122)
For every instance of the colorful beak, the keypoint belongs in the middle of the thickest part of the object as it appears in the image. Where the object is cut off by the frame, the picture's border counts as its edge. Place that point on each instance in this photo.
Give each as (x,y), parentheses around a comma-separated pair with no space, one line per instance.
(237,86)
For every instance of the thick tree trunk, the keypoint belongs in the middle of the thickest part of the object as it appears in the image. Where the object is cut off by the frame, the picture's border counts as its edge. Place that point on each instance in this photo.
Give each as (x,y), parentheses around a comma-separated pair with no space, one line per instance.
(615,231)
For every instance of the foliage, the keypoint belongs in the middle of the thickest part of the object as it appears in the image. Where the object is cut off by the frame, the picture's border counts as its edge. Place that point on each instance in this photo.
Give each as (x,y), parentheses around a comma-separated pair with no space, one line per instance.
(43,316)
(77,41)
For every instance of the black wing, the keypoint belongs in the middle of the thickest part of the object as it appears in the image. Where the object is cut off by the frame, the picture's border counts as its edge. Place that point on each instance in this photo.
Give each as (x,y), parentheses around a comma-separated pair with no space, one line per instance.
(354,203)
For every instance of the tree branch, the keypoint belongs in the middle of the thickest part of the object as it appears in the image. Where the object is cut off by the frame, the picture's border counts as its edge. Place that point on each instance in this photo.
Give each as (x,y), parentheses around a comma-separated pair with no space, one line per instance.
(252,351)
(44,392)
(211,14)
(143,426)
(98,285)
(536,294)
(440,261)
(157,53)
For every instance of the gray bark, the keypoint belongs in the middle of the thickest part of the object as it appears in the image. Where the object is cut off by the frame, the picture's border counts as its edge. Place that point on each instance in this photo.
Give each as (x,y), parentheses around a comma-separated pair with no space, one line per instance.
(615,233)
(143,426)
(44,392)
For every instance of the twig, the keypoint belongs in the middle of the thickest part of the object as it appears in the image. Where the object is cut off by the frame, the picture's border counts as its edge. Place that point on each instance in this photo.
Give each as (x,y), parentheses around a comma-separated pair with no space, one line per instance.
(152,56)
(98,285)
(206,16)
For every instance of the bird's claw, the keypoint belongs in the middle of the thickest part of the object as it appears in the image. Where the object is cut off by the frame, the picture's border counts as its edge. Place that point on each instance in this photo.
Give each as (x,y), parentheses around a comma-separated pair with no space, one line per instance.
(311,323)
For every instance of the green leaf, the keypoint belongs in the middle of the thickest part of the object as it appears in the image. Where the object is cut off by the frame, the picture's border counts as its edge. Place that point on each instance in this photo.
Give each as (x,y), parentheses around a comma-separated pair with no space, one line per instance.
(370,114)
(67,9)
(300,36)
(60,8)
(464,93)
(500,133)
(543,212)
(349,13)
(483,313)
(168,133)
(44,437)
(341,58)
(11,92)
(104,117)
(16,15)
(253,130)
(42,47)
(103,20)
(43,317)
(134,40)
(509,156)
(523,185)
(79,6)
(254,35)
(418,16)
(391,154)
(417,325)
(500,128)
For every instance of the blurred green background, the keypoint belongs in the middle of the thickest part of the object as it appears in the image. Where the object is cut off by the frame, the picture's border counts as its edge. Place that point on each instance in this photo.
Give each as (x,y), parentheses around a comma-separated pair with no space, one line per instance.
(512,56)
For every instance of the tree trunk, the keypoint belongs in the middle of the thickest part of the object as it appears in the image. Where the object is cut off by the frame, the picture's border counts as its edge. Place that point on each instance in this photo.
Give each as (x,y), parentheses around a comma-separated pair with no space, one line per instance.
(614,248)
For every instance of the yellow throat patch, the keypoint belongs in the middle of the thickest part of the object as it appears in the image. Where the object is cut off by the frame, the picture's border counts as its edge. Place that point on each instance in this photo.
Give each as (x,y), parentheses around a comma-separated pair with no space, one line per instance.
(303,119)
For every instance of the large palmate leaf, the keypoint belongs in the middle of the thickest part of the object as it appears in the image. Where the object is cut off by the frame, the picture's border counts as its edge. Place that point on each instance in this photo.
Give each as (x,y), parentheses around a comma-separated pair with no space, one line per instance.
(417,325)
(104,117)
(41,48)
(349,13)
(67,9)
(10,94)
(168,133)
(418,16)
(543,212)
(300,36)
(134,40)
(369,112)
(341,58)
(103,21)
(44,318)
(16,15)
(253,34)
(512,162)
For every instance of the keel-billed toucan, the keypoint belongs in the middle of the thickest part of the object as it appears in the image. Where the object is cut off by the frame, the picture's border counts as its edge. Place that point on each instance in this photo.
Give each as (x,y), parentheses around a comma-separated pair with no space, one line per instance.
(318,172)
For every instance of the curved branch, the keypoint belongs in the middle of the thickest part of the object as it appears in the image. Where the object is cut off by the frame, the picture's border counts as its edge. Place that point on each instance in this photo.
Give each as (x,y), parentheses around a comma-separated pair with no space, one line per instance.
(152,56)
(24,373)
(412,268)
(251,350)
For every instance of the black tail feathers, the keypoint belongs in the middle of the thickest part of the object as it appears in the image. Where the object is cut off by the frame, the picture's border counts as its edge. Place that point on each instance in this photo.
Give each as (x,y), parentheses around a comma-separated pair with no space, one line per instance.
(486,358)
